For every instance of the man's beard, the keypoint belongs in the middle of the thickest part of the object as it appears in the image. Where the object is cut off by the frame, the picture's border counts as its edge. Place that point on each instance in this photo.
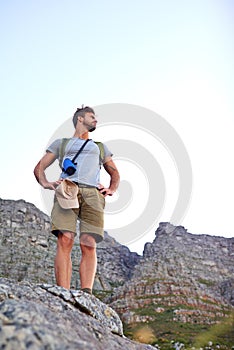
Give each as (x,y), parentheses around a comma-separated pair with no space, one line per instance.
(92,128)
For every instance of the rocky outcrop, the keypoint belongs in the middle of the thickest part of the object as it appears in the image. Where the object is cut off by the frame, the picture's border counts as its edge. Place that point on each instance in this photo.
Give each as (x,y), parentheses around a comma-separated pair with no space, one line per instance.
(187,276)
(50,317)
(26,248)
(115,264)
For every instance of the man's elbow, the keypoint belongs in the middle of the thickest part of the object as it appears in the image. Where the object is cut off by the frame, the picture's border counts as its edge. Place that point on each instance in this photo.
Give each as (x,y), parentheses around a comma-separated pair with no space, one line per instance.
(36,171)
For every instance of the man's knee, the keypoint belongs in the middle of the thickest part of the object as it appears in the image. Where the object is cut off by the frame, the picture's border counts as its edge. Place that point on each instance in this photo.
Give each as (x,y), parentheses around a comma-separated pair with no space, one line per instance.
(65,240)
(87,242)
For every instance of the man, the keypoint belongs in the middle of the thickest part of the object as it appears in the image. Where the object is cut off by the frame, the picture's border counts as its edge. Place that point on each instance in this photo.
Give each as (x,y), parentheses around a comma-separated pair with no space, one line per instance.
(91,199)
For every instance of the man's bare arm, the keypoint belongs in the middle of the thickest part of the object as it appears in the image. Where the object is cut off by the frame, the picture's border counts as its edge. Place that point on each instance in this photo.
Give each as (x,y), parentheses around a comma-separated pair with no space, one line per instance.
(39,171)
(112,170)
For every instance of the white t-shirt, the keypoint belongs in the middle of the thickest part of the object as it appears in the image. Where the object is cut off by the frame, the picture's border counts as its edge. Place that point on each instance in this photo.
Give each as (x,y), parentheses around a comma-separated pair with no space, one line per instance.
(88,161)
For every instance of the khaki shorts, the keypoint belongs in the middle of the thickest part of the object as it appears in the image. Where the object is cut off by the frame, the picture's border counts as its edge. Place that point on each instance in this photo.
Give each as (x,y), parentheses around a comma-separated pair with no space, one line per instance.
(90,214)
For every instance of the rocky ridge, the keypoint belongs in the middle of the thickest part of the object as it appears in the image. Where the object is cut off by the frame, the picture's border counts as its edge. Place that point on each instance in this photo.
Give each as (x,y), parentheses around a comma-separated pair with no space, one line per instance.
(192,276)
(181,279)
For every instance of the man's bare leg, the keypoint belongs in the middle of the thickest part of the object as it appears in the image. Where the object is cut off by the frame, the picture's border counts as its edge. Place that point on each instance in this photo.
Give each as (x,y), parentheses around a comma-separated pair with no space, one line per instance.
(88,264)
(63,263)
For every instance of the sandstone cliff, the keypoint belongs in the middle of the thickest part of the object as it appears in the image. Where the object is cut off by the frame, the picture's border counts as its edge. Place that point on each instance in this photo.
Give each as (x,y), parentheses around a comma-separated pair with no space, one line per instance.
(193,274)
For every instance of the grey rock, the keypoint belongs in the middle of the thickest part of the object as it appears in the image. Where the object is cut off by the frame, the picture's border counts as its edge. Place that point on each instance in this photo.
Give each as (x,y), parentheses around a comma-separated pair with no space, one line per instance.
(51,317)
(90,305)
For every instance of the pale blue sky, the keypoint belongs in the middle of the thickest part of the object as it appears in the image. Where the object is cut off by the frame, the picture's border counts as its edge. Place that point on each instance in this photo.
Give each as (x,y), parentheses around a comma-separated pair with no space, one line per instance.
(173,57)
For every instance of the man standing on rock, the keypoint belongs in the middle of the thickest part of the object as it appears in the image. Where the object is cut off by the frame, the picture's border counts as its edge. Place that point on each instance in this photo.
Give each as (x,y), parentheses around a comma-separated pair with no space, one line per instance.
(78,196)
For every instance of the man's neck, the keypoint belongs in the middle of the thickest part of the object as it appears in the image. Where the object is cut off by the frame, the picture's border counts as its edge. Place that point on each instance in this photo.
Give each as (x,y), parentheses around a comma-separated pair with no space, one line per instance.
(81,135)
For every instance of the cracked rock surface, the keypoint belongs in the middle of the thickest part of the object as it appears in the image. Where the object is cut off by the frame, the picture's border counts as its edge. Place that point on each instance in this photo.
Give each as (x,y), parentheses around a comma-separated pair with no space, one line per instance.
(44,316)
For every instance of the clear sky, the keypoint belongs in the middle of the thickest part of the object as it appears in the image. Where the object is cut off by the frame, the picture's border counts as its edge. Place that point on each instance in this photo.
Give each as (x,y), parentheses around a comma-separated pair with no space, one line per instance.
(172,57)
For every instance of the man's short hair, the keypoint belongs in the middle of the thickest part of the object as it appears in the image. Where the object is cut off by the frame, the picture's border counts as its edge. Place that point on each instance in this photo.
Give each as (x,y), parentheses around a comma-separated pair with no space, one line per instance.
(81,112)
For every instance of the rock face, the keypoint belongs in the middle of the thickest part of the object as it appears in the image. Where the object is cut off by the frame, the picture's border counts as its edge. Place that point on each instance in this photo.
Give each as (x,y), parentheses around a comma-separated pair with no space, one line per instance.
(26,248)
(190,276)
(50,317)
(115,264)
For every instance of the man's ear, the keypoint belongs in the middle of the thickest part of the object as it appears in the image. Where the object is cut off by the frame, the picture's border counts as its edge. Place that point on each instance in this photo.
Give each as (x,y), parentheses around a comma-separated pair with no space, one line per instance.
(80,118)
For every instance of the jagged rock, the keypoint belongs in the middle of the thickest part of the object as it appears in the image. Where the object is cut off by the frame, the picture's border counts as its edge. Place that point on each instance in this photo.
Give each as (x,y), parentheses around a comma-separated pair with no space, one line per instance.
(26,247)
(115,263)
(50,317)
(178,268)
(226,289)
(90,305)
